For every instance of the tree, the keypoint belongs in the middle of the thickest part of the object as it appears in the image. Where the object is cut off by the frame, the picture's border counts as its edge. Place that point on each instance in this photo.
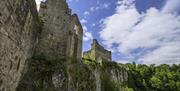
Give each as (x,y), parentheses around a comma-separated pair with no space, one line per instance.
(156,82)
(154,78)
(178,85)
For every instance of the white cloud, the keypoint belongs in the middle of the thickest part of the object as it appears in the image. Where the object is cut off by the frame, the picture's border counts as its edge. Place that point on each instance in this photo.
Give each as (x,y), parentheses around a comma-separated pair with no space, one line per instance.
(38,2)
(92,9)
(73,0)
(102,6)
(154,29)
(96,7)
(93,25)
(171,6)
(105,5)
(167,54)
(123,61)
(99,6)
(83,21)
(87,36)
(86,13)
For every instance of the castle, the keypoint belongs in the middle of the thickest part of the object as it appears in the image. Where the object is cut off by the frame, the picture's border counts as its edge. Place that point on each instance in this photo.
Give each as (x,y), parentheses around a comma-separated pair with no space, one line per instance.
(27,36)
(66,43)
(31,42)
(57,39)
(97,53)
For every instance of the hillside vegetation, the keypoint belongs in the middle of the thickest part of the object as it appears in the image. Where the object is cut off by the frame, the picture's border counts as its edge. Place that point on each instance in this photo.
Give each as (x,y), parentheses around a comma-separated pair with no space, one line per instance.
(153,78)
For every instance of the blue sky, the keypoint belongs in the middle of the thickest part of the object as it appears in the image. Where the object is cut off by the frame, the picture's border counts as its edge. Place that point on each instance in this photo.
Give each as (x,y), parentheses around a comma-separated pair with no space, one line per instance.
(144,31)
(90,13)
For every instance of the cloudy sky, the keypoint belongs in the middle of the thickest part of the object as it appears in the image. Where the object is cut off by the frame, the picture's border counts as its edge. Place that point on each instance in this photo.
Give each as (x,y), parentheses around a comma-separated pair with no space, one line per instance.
(144,31)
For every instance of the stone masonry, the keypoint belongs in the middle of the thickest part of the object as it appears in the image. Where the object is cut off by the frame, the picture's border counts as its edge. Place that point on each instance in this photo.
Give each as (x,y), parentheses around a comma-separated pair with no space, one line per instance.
(62,32)
(98,52)
(38,49)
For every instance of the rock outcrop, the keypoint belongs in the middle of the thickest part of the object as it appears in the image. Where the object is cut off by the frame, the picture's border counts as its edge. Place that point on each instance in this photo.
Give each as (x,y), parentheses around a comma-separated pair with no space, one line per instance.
(109,76)
(18,35)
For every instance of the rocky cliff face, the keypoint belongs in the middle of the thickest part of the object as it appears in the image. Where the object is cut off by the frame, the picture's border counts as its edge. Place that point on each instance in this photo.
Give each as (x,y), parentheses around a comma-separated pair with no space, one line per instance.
(66,75)
(34,55)
(18,34)
(109,76)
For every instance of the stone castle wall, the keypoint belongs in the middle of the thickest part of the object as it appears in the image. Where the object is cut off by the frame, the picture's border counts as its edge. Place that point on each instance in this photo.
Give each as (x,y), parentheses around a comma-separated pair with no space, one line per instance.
(32,49)
(23,35)
(61,35)
(98,52)
(75,38)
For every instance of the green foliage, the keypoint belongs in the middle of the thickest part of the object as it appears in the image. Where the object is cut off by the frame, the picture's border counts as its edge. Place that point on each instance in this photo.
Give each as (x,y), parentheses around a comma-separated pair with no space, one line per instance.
(128,89)
(178,86)
(81,76)
(87,56)
(107,82)
(156,82)
(154,78)
(40,73)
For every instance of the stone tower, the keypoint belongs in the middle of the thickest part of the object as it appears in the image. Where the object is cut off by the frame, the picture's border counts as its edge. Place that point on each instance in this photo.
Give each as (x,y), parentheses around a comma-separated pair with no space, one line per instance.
(97,52)
(62,32)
